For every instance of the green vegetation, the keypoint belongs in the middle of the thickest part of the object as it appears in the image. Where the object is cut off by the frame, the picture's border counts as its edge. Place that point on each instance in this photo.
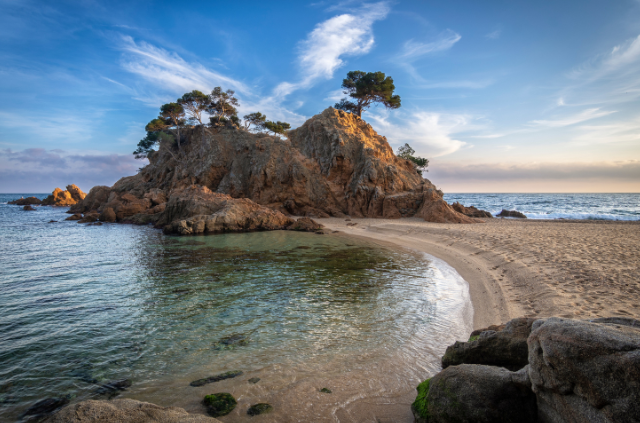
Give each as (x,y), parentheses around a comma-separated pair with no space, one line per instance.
(474,338)
(220,404)
(261,408)
(325,390)
(366,88)
(190,111)
(421,404)
(406,152)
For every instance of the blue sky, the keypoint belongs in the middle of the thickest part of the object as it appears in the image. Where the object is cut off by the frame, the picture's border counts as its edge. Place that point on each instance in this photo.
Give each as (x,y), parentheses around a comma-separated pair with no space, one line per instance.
(501,96)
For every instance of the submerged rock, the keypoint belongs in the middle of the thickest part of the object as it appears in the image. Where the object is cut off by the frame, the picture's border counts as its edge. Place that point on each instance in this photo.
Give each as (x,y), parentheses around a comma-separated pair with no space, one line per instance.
(506,347)
(254,380)
(28,208)
(220,404)
(114,387)
(125,411)
(325,390)
(76,216)
(511,213)
(475,394)
(231,341)
(216,378)
(45,407)
(261,408)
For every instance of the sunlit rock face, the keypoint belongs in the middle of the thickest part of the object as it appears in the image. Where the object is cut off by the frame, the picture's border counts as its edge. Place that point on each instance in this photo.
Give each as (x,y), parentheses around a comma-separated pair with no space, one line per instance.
(335,164)
(68,197)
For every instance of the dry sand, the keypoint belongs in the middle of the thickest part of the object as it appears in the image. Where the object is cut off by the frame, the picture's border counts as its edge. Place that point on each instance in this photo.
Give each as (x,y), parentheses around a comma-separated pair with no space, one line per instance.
(535,268)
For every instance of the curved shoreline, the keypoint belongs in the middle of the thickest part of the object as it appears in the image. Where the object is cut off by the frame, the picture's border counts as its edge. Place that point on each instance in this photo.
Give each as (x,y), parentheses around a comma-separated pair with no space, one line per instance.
(526,268)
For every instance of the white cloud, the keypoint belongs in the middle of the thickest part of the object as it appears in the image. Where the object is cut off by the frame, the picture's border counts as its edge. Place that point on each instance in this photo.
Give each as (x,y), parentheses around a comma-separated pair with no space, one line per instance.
(617,132)
(412,49)
(321,54)
(430,134)
(585,115)
(494,35)
(170,72)
(52,126)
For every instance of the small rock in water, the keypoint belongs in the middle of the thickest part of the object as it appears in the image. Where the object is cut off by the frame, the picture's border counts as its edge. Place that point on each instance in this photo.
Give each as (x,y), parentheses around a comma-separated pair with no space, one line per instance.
(325,390)
(45,407)
(76,216)
(220,404)
(216,378)
(254,380)
(511,213)
(113,387)
(53,221)
(231,342)
(28,208)
(261,408)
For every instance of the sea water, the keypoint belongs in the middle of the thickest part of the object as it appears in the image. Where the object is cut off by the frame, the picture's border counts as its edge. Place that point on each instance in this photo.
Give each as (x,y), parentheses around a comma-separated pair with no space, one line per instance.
(557,206)
(84,305)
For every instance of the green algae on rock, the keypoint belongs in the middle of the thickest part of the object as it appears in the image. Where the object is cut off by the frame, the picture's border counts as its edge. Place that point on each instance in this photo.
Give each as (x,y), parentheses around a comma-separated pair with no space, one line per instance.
(226,375)
(325,390)
(261,408)
(420,406)
(254,380)
(220,404)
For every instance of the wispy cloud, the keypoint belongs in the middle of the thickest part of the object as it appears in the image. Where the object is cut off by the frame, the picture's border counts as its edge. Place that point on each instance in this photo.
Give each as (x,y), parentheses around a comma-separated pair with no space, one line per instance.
(171,72)
(583,116)
(494,35)
(615,132)
(412,49)
(321,54)
(53,126)
(430,134)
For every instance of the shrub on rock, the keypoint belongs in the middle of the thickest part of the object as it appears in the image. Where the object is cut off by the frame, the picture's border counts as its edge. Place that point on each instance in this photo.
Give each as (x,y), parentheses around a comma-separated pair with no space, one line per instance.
(220,404)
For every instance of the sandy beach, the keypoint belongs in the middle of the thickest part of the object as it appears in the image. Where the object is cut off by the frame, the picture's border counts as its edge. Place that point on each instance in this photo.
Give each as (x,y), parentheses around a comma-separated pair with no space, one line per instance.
(536,268)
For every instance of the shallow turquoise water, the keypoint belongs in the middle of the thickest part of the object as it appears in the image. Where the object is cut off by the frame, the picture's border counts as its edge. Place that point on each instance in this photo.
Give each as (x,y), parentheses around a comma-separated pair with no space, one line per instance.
(83,305)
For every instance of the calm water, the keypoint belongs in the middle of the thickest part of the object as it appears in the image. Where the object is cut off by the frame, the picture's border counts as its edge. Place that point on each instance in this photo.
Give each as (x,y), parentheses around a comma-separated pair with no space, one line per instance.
(557,206)
(84,305)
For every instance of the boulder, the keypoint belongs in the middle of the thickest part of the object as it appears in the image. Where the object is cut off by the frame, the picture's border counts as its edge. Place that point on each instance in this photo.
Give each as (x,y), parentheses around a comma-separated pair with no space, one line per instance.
(476,394)
(125,411)
(305,224)
(215,213)
(29,201)
(511,213)
(76,193)
(45,407)
(505,348)
(107,215)
(28,208)
(220,404)
(586,371)
(217,378)
(261,408)
(76,216)
(470,211)
(97,196)
(89,217)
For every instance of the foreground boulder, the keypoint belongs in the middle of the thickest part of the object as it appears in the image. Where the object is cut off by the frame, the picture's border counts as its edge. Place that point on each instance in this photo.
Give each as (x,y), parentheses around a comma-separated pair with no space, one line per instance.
(68,197)
(125,411)
(335,164)
(578,371)
(586,371)
(506,347)
(474,393)
(29,201)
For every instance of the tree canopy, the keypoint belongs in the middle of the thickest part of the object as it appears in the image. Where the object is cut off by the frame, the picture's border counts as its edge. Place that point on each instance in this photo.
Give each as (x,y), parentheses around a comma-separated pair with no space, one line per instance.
(406,152)
(277,127)
(223,105)
(366,88)
(256,119)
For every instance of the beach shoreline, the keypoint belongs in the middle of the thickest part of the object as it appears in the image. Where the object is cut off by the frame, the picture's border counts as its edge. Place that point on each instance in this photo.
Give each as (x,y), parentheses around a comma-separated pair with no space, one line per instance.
(534,268)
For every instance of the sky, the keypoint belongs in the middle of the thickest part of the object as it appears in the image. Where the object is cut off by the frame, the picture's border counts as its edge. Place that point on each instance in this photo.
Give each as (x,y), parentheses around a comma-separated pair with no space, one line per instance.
(499,95)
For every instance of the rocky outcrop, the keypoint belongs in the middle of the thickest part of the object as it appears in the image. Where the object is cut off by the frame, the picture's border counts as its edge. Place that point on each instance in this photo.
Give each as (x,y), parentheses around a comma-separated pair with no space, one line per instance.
(333,165)
(511,213)
(29,201)
(68,197)
(577,371)
(471,211)
(505,347)
(125,411)
(28,208)
(476,393)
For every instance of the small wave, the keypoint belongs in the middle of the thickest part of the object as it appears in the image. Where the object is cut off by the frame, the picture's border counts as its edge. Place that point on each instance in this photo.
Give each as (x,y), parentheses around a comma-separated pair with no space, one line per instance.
(581,216)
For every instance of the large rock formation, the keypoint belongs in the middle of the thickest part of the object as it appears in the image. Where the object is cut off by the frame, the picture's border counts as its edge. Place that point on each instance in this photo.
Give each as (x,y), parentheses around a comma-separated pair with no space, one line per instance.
(29,201)
(125,411)
(577,371)
(68,197)
(333,165)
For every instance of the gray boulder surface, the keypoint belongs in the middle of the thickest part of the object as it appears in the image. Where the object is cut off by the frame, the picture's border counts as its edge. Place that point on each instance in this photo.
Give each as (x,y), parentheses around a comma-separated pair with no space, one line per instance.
(505,348)
(476,393)
(585,371)
(125,411)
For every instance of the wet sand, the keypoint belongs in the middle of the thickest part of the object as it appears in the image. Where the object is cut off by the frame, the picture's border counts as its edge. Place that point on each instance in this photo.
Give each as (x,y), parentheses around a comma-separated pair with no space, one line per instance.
(535,268)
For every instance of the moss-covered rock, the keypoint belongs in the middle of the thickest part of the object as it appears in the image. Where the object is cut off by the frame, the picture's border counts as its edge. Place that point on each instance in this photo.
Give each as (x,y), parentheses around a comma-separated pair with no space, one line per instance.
(254,380)
(220,404)
(325,390)
(261,408)
(420,406)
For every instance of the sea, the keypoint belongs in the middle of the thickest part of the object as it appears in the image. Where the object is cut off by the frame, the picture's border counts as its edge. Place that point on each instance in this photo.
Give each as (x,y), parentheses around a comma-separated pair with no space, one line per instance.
(82,306)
